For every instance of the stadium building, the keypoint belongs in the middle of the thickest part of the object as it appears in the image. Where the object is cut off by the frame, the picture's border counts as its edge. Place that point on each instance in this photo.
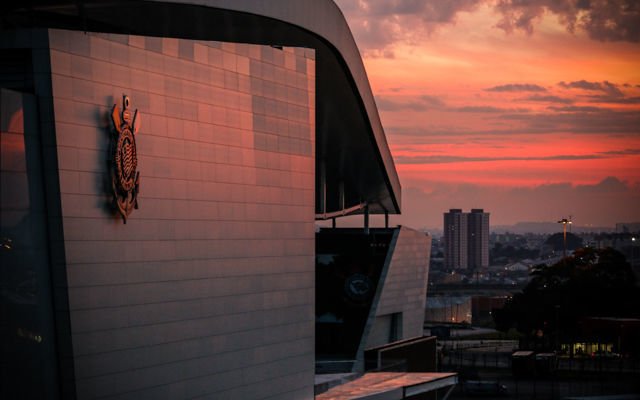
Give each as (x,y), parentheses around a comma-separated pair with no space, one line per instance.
(164,164)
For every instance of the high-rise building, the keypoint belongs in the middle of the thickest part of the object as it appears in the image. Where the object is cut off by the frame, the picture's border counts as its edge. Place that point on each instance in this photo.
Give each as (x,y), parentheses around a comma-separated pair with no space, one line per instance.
(478,238)
(455,239)
(466,239)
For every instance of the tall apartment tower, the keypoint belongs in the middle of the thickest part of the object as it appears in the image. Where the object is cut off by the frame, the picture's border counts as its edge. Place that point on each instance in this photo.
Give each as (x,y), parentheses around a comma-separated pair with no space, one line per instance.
(455,239)
(466,239)
(478,238)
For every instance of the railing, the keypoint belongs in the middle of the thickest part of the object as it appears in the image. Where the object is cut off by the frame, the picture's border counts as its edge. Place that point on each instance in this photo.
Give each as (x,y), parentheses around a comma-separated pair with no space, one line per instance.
(461,358)
(568,378)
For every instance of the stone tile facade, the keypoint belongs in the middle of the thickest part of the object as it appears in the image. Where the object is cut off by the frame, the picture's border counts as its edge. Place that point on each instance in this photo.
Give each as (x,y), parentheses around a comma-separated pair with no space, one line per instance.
(208,290)
(401,301)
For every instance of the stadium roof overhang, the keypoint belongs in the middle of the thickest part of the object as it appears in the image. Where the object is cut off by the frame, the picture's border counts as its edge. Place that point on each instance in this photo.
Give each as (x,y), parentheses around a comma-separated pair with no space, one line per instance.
(354,167)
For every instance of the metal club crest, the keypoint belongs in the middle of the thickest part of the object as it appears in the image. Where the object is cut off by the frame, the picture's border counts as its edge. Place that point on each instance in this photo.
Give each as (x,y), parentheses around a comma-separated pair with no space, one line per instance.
(125,179)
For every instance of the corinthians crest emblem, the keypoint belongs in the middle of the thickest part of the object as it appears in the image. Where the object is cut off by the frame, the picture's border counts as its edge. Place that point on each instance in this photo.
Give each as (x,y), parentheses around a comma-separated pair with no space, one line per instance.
(125,180)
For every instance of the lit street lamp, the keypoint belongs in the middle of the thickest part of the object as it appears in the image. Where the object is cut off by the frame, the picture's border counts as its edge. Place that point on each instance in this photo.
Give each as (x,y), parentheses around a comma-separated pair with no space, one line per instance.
(564,223)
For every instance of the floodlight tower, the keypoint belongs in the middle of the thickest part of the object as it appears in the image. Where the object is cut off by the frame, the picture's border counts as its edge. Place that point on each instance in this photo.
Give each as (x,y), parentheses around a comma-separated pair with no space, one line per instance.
(564,223)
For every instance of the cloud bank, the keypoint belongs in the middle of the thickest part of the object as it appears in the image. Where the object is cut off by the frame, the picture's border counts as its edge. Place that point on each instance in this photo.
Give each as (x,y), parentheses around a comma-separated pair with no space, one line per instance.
(430,159)
(602,20)
(602,204)
(419,103)
(517,87)
(377,24)
(606,87)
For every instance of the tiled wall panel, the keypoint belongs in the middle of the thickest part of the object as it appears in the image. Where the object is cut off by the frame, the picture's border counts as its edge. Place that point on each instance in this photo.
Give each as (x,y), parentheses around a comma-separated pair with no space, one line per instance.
(207,290)
(404,289)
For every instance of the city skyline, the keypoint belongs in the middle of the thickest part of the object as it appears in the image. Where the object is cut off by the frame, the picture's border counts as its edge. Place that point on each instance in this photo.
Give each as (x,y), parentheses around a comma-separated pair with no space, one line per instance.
(531,112)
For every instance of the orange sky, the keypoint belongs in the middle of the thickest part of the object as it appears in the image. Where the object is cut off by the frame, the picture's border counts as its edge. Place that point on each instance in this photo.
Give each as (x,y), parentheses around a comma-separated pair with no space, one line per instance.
(505,98)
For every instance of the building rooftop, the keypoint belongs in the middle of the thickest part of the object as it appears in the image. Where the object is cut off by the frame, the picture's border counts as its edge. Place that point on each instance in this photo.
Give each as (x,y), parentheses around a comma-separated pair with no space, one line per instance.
(390,385)
(355,172)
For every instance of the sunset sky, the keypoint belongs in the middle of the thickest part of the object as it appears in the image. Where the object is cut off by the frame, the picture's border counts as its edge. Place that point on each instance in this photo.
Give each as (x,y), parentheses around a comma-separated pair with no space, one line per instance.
(530,110)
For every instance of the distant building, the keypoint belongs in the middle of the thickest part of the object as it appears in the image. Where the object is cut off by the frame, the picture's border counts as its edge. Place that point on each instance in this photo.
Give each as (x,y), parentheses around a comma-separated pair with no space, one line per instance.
(627,227)
(626,243)
(478,238)
(455,239)
(521,266)
(466,239)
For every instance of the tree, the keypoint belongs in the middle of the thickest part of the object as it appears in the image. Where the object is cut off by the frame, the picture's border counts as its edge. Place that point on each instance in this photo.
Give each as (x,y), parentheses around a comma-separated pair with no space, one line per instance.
(556,241)
(589,283)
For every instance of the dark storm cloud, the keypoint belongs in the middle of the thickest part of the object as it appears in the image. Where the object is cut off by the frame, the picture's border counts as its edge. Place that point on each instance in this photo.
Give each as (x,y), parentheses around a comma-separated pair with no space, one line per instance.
(517,87)
(548,99)
(606,87)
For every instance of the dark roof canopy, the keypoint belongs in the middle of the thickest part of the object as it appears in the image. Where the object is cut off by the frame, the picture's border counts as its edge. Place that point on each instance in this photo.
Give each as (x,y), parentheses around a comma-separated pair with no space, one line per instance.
(354,167)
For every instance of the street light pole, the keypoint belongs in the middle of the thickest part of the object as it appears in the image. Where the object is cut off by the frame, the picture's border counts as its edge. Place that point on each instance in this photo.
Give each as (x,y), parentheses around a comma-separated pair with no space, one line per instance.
(564,223)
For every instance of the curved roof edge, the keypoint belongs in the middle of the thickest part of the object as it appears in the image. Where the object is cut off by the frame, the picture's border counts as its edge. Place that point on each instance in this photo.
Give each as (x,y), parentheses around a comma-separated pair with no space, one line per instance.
(324,19)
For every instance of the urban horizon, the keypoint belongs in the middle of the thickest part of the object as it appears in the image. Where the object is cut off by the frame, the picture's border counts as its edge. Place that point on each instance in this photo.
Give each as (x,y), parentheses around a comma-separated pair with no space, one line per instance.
(530,109)
(242,200)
